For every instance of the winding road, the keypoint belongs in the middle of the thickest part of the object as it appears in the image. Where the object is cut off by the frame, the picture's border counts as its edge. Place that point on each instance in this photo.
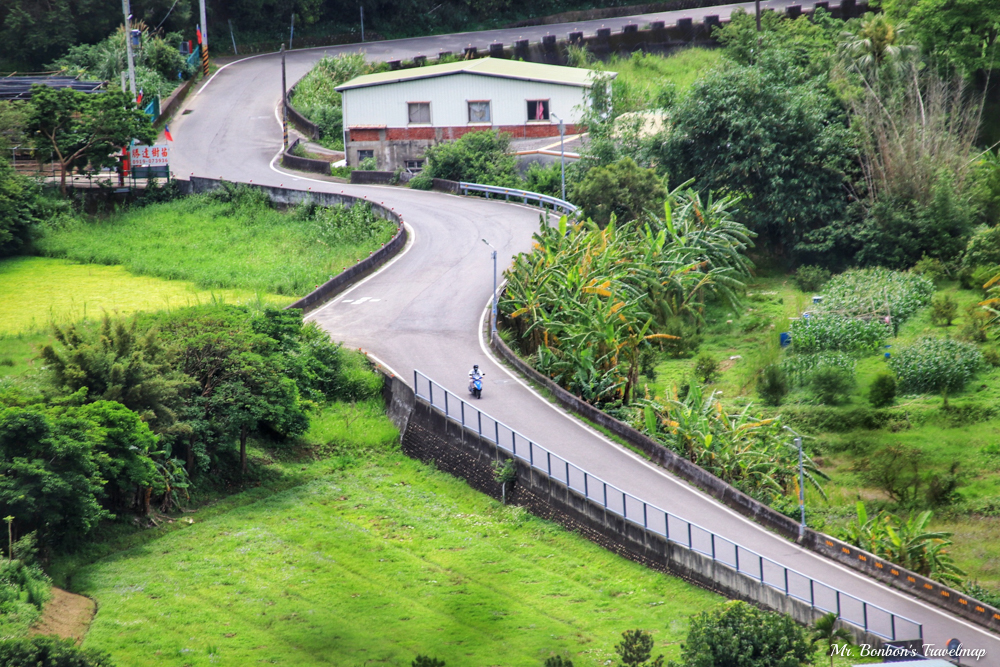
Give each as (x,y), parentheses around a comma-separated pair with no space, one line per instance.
(424,309)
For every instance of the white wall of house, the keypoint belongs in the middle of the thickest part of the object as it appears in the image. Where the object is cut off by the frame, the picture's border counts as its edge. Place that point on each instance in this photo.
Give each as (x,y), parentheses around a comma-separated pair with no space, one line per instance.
(386,104)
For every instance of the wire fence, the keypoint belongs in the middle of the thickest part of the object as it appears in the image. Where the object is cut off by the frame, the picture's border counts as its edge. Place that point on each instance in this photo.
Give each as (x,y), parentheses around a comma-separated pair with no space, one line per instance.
(525,195)
(794,584)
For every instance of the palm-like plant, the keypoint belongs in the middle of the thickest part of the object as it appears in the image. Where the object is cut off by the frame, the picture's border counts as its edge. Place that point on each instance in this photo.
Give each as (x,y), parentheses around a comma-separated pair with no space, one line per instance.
(875,41)
(827,633)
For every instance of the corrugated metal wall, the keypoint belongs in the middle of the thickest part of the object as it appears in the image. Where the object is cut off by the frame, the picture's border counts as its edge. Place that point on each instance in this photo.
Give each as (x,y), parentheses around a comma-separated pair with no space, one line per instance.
(386,105)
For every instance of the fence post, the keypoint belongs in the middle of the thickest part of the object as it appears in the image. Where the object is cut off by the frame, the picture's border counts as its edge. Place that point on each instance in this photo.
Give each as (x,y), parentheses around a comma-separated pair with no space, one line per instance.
(838,606)
(463,413)
(761,569)
(645,517)
(446,403)
(666,526)
(567,475)
(586,492)
(430,390)
(736,550)
(713,545)
(416,389)
(605,494)
(690,541)
(531,453)
(812,593)
(786,581)
(548,462)
(864,611)
(892,624)
(624,505)
(513,439)
(480,423)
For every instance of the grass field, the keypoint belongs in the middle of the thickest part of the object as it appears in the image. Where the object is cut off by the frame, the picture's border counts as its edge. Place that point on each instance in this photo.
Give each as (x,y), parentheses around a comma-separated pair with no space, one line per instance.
(744,342)
(650,73)
(37,291)
(217,245)
(373,558)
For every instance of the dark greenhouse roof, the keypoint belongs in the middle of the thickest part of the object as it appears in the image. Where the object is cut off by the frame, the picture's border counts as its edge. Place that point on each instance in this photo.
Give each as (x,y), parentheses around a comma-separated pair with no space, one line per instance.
(19,87)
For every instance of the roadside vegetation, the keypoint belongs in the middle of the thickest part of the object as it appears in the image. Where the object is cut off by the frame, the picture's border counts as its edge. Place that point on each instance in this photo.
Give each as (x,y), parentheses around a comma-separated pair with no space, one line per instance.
(232,238)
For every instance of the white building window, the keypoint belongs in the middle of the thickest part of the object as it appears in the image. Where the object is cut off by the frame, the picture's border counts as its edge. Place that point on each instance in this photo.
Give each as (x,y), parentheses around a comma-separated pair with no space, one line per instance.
(420,112)
(479,112)
(538,110)
(414,166)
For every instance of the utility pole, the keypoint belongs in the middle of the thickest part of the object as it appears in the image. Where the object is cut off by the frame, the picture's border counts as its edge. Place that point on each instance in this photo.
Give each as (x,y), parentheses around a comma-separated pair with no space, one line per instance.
(291,34)
(757,10)
(284,102)
(128,47)
(204,39)
(362,23)
(232,36)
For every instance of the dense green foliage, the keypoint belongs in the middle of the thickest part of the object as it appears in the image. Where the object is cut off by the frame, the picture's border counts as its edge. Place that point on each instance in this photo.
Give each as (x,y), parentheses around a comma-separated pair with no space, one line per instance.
(621,189)
(882,392)
(961,33)
(738,633)
(811,278)
(21,209)
(752,453)
(317,100)
(137,411)
(230,238)
(477,157)
(24,588)
(910,543)
(780,142)
(159,66)
(51,652)
(636,649)
(935,365)
(586,301)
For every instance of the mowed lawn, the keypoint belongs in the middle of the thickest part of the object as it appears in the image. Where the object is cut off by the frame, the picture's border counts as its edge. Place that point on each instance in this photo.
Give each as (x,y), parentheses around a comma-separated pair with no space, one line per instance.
(37,291)
(373,563)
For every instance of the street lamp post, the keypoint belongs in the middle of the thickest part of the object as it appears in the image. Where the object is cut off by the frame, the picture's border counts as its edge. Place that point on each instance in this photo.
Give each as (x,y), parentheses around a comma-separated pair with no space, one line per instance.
(284,103)
(802,488)
(562,153)
(493,317)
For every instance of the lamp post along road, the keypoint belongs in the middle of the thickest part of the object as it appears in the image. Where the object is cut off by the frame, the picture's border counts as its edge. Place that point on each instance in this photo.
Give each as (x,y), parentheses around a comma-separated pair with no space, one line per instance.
(562,153)
(802,492)
(493,317)
(284,102)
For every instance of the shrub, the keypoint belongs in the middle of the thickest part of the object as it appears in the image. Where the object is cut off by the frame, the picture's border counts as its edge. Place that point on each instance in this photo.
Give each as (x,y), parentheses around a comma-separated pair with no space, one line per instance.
(943,310)
(706,367)
(341,172)
(865,292)
(931,268)
(935,365)
(422,181)
(975,277)
(991,356)
(478,157)
(882,392)
(772,385)
(976,327)
(983,248)
(51,652)
(636,648)
(758,637)
(831,384)
(837,333)
(623,189)
(811,278)
(368,164)
(558,660)
(427,661)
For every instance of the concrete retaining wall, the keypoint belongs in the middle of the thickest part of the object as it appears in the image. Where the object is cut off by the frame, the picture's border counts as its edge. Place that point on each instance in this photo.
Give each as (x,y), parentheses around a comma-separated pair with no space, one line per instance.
(372,177)
(290,196)
(429,436)
(303,163)
(174,99)
(880,569)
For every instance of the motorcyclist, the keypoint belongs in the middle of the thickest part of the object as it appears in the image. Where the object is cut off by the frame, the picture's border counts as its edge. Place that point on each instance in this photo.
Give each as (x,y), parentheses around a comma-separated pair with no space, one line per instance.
(475,374)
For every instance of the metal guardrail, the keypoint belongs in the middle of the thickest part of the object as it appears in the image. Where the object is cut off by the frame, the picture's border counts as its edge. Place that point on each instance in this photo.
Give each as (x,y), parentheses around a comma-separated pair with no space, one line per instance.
(794,584)
(524,195)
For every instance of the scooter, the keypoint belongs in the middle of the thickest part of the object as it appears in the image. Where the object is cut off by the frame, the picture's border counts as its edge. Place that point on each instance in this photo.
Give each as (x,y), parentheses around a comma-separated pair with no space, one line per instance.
(476,385)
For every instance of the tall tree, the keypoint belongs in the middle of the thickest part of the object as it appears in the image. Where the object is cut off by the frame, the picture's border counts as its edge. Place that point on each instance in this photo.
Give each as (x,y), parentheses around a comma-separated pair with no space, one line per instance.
(77,129)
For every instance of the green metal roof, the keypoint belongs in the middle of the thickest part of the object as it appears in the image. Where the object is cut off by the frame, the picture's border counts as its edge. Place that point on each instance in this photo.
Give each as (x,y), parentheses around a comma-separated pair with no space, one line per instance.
(498,67)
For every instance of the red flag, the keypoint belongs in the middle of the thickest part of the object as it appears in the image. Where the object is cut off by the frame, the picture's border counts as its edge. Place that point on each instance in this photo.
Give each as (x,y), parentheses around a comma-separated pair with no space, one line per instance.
(197,30)
(166,133)
(138,100)
(539,111)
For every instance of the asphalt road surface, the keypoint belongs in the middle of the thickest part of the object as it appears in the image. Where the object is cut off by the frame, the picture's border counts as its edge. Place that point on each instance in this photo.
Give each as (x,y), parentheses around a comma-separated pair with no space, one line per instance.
(423,311)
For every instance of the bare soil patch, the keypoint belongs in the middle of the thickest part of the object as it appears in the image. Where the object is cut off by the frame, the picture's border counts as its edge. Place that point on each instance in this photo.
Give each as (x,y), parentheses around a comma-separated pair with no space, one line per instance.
(67,615)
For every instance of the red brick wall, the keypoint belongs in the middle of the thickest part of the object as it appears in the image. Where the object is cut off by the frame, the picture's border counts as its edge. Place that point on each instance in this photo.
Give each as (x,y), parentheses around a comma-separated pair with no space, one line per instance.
(528,131)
